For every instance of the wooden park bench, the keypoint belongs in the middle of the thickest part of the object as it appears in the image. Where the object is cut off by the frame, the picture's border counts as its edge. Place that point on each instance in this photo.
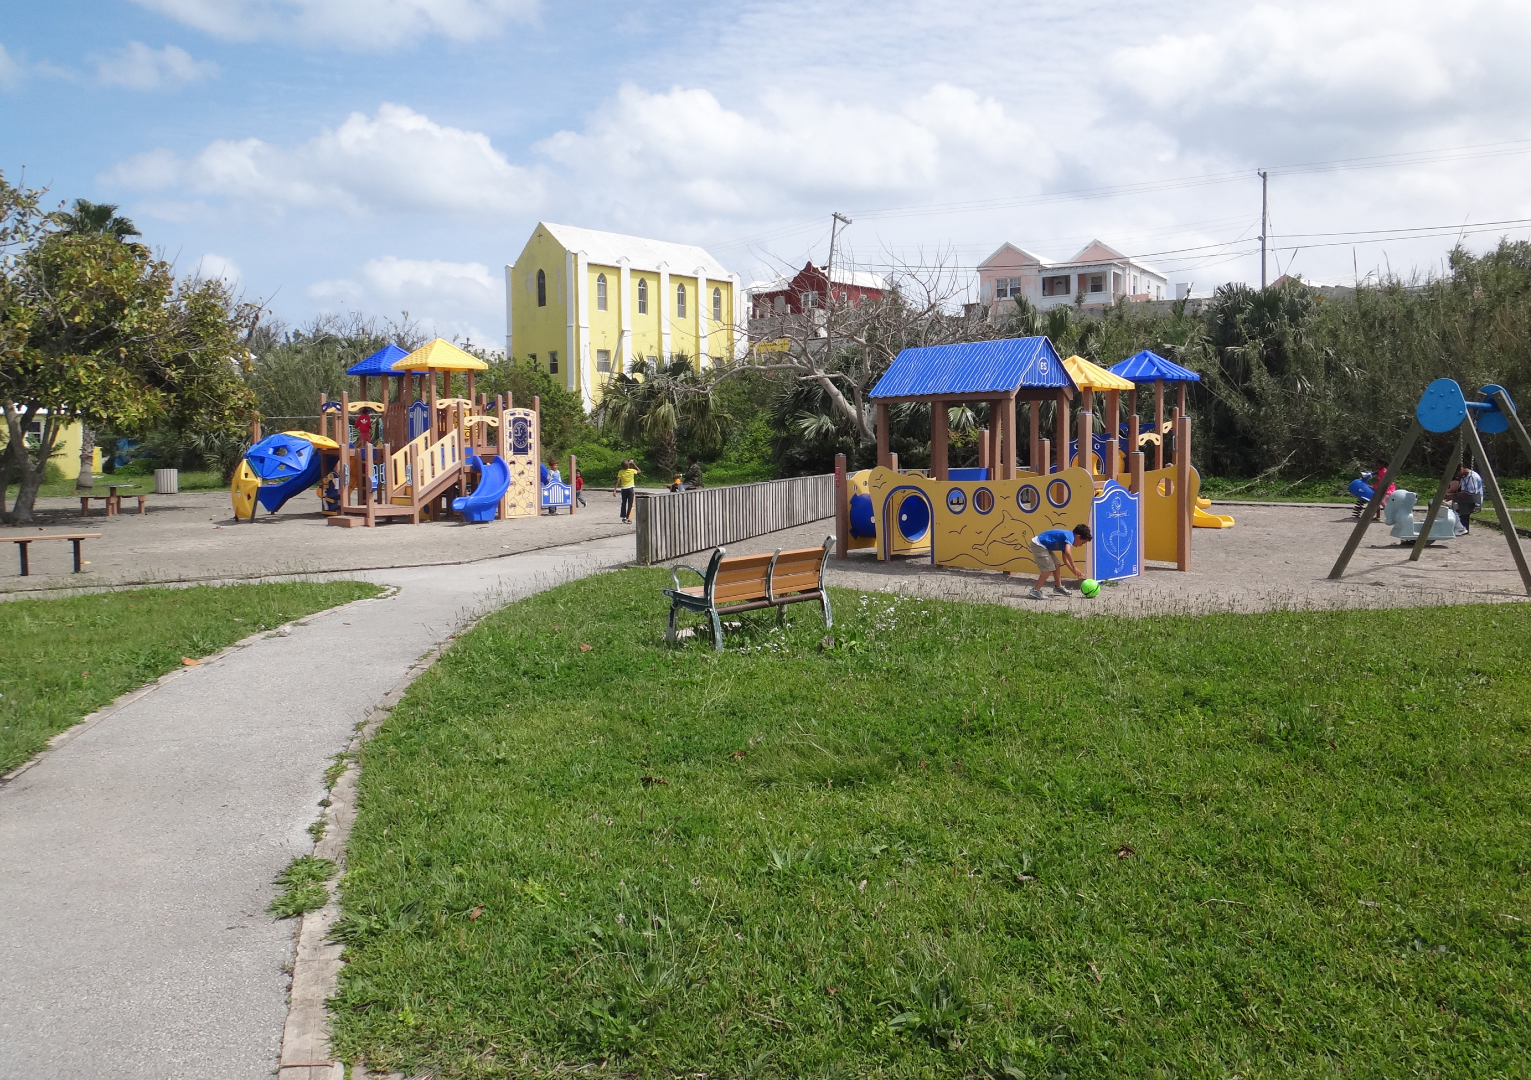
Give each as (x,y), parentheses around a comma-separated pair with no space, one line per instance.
(23,543)
(749,583)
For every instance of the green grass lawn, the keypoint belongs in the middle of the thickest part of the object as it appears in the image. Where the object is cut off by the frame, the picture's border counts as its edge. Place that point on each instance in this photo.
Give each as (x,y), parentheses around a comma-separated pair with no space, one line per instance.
(62,659)
(141,481)
(1520,517)
(962,841)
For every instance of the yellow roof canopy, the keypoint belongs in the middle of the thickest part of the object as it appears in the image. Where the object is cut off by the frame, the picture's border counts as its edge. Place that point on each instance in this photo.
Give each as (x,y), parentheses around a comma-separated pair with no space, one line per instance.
(1088,376)
(439,355)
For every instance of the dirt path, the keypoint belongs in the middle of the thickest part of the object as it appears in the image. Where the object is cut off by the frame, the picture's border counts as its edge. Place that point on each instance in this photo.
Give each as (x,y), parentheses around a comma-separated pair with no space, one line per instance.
(194,537)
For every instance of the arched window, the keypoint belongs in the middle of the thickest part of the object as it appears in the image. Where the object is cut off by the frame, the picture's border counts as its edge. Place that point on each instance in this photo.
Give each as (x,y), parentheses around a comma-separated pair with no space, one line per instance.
(680,301)
(542,289)
(600,292)
(717,305)
(643,296)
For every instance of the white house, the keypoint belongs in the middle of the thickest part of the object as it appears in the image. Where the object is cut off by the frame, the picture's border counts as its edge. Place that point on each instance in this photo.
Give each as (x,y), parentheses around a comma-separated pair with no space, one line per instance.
(1100,274)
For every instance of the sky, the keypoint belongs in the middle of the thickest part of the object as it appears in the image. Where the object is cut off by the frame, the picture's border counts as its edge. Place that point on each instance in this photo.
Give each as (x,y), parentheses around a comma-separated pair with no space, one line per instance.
(384,156)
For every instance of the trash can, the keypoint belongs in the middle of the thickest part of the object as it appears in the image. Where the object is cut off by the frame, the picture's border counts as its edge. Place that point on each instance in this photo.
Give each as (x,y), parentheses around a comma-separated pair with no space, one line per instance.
(167,481)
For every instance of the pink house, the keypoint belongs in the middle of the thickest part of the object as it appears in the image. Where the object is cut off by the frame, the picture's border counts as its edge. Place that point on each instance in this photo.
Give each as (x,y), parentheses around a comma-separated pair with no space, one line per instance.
(1101,274)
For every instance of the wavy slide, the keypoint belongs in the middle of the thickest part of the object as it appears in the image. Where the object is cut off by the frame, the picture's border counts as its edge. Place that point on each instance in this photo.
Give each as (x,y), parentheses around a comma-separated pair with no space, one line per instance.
(493,482)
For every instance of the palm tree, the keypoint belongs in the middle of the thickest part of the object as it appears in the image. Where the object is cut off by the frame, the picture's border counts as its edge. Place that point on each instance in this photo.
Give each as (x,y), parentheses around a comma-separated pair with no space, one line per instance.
(97,219)
(658,404)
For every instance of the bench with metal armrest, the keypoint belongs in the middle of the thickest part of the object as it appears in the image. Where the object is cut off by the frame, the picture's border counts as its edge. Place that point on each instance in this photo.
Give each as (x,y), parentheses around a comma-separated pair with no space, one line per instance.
(749,583)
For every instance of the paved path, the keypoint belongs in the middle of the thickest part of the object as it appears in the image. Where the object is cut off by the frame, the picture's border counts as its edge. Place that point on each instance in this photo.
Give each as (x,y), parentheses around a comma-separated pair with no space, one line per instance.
(136,860)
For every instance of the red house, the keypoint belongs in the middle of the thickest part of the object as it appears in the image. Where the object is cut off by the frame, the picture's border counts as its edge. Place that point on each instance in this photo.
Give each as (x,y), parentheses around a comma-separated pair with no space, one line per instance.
(810,289)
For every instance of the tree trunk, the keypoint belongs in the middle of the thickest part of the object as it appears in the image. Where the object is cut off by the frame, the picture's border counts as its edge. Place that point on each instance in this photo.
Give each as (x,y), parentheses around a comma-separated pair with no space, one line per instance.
(664,455)
(87,479)
(28,472)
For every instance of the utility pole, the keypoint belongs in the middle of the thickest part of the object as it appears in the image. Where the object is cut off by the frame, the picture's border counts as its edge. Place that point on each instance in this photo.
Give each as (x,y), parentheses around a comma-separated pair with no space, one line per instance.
(836,220)
(1264,219)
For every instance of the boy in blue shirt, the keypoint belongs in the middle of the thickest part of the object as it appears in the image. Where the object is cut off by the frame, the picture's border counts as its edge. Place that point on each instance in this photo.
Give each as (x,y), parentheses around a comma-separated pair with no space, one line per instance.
(1047,548)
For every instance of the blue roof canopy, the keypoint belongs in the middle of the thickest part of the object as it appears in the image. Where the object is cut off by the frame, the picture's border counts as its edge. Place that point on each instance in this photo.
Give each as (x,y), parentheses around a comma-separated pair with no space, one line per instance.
(977,369)
(380,362)
(1148,366)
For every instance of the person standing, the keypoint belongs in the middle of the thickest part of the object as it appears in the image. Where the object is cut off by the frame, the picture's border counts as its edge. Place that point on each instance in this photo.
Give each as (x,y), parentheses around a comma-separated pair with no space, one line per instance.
(579,487)
(627,482)
(1467,495)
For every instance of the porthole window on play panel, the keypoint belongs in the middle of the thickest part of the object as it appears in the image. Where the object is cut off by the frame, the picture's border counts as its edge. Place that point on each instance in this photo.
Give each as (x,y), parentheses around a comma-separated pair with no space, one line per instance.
(643,297)
(956,500)
(1028,499)
(1058,494)
(600,292)
(983,500)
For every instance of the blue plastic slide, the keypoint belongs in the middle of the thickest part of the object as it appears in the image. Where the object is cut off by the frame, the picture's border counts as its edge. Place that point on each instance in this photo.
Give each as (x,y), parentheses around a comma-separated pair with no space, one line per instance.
(494,479)
(293,462)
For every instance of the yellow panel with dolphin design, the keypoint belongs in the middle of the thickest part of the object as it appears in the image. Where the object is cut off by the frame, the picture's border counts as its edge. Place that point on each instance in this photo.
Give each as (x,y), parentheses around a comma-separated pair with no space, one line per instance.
(983,524)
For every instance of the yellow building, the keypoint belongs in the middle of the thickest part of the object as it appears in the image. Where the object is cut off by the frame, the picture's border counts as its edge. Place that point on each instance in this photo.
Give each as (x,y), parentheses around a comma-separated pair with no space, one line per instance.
(66,455)
(587,304)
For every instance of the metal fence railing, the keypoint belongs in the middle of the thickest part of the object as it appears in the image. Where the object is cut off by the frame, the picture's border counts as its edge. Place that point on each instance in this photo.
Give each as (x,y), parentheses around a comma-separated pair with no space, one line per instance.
(675,523)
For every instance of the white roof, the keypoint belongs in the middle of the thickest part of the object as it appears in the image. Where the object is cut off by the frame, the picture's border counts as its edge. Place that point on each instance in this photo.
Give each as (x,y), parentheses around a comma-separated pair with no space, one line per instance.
(862,279)
(609,249)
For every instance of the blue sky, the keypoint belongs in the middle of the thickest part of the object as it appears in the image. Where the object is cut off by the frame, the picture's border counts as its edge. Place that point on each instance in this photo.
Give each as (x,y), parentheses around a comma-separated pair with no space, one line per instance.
(388,155)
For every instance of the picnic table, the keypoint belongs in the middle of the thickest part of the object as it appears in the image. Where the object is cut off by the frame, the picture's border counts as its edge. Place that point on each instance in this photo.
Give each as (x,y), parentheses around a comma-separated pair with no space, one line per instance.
(113,500)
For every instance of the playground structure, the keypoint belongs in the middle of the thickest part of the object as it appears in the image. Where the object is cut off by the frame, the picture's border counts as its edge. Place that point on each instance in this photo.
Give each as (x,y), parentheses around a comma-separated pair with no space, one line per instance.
(475,457)
(1443,408)
(984,517)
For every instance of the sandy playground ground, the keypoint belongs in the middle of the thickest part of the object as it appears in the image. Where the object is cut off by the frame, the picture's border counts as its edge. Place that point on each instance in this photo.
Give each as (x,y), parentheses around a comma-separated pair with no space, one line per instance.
(1276,557)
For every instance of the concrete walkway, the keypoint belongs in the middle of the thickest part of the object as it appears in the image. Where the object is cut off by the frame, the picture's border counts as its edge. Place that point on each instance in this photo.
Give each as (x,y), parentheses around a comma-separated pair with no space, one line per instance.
(136,859)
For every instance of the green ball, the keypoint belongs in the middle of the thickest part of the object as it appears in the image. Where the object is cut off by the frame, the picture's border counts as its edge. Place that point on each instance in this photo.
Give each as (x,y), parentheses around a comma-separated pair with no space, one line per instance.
(1089,587)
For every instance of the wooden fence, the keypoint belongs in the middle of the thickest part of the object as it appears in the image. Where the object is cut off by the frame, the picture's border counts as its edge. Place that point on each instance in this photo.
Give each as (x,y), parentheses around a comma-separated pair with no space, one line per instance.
(675,523)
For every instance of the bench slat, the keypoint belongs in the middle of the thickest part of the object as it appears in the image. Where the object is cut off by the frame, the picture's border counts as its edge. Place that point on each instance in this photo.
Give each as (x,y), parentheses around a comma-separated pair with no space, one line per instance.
(742,591)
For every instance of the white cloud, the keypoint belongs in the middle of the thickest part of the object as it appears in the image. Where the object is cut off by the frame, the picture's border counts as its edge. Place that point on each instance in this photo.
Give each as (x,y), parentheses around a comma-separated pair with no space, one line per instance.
(358,24)
(786,150)
(212,266)
(139,67)
(451,298)
(396,161)
(1358,73)
(10,70)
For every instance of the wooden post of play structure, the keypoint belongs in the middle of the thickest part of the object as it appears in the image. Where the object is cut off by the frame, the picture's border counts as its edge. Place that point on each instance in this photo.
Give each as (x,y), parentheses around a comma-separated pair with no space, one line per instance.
(1491,486)
(573,490)
(1183,503)
(938,439)
(1135,462)
(1132,420)
(255,431)
(1087,430)
(1062,441)
(1034,410)
(842,510)
(1010,451)
(366,484)
(1044,457)
(882,434)
(1159,422)
(1180,398)
(983,449)
(893,462)
(1113,462)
